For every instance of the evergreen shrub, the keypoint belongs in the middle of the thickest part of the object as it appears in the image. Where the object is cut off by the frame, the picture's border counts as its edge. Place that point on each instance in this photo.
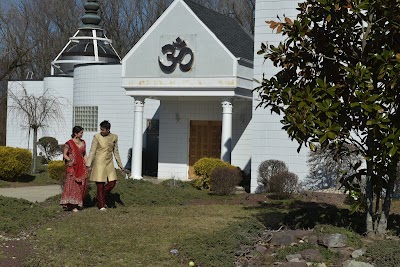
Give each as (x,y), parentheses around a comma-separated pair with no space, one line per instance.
(203,168)
(14,162)
(223,180)
(56,170)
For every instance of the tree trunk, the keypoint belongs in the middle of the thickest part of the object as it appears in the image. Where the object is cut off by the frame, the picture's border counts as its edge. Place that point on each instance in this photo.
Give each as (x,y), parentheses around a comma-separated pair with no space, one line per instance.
(369,198)
(382,225)
(34,150)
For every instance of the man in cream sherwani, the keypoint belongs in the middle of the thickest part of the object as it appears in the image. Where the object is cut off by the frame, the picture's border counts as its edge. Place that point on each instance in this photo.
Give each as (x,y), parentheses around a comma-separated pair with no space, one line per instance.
(104,146)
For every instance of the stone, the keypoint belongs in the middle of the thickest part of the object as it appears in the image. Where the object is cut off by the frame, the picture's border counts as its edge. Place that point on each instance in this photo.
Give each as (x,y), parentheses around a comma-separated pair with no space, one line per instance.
(357,253)
(282,238)
(333,241)
(294,264)
(263,250)
(353,263)
(311,255)
(313,240)
(293,256)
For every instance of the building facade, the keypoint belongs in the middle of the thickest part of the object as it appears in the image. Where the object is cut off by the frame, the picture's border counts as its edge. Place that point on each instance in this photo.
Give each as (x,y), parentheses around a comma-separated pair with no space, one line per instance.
(183,92)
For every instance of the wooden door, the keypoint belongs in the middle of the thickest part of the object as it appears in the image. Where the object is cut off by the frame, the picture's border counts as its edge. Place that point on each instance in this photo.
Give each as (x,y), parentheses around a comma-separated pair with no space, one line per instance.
(204,141)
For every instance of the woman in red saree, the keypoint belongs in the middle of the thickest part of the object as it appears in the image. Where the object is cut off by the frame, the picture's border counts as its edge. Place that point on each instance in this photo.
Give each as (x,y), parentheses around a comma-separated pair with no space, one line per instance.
(75,158)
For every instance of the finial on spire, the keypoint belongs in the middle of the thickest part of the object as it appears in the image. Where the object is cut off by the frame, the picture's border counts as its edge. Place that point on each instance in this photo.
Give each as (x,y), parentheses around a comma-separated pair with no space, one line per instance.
(91,17)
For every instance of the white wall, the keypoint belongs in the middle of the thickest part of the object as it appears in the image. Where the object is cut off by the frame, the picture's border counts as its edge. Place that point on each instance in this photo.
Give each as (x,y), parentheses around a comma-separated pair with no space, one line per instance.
(269,140)
(61,87)
(17,133)
(175,119)
(100,85)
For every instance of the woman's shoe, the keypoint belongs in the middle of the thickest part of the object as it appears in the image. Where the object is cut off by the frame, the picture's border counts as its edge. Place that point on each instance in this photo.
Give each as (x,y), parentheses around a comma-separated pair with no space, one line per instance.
(75,210)
(103,209)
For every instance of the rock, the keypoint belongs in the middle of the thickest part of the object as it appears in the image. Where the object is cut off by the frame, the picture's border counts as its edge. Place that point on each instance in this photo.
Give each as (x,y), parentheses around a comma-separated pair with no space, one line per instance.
(294,264)
(358,253)
(293,256)
(282,238)
(261,249)
(311,255)
(313,240)
(353,263)
(333,241)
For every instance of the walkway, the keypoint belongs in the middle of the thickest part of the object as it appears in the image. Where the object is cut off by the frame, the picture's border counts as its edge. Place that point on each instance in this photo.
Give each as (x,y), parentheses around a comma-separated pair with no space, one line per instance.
(31,193)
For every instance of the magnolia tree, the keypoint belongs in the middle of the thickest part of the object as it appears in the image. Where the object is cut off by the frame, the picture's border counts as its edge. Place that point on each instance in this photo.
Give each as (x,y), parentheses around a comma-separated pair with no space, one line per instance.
(338,85)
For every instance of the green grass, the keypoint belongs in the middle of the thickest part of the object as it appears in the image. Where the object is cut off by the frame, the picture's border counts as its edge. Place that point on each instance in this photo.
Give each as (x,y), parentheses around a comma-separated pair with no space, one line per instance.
(138,236)
(41,178)
(150,220)
(19,215)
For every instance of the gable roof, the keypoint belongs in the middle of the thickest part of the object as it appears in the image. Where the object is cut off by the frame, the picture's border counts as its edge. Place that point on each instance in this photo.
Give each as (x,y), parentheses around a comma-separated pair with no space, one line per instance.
(227,30)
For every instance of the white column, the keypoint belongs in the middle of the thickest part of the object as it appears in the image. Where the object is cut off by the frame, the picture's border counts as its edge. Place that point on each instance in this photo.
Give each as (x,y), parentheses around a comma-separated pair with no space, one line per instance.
(136,164)
(226,135)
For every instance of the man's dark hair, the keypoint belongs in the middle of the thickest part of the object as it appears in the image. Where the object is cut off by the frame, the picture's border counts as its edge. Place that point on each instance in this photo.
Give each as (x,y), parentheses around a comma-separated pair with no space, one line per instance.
(106,125)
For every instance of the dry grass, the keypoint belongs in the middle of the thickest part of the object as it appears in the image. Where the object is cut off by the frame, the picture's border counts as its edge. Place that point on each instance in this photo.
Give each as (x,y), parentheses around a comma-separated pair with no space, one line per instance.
(131,236)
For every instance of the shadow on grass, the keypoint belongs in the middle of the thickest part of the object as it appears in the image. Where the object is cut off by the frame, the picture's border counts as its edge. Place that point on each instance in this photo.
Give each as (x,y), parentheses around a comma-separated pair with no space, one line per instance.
(306,215)
(112,199)
(25,178)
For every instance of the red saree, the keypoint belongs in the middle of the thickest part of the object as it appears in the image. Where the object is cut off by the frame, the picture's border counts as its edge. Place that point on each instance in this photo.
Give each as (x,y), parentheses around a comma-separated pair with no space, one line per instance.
(76,176)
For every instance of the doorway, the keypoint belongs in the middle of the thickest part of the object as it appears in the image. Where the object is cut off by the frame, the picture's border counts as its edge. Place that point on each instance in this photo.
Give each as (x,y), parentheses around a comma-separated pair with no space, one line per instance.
(204,141)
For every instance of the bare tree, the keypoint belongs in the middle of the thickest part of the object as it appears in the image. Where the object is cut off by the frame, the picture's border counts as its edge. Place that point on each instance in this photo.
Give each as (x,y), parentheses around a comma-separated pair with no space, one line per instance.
(34,112)
(242,11)
(14,46)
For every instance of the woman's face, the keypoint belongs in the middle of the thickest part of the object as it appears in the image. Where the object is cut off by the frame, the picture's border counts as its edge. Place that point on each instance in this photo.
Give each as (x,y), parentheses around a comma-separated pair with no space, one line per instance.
(79,135)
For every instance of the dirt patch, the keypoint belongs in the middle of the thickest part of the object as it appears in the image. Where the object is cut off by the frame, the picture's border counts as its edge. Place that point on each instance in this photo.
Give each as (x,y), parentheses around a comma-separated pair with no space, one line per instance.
(14,252)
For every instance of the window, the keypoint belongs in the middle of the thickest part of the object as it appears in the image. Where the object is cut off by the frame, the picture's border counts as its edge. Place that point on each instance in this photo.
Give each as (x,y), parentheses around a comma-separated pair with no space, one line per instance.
(87,117)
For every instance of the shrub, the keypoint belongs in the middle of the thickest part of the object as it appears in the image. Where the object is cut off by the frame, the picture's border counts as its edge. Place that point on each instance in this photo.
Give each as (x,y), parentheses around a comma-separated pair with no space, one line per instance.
(203,168)
(14,162)
(266,170)
(56,170)
(50,147)
(223,180)
(283,184)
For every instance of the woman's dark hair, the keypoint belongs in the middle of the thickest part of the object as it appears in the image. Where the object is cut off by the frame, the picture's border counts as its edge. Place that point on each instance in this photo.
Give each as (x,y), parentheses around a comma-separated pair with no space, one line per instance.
(76,130)
(106,125)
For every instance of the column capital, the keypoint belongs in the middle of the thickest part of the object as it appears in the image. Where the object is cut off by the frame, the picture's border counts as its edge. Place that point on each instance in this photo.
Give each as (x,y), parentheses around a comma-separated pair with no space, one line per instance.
(226,103)
(139,101)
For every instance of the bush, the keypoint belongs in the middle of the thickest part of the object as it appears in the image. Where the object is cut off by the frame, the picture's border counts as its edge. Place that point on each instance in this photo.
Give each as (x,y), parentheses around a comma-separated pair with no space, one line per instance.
(203,168)
(223,180)
(50,147)
(56,170)
(14,162)
(266,170)
(284,184)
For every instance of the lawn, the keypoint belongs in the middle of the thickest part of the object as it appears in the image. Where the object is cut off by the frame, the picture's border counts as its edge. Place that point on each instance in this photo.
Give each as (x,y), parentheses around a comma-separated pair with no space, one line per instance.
(151,220)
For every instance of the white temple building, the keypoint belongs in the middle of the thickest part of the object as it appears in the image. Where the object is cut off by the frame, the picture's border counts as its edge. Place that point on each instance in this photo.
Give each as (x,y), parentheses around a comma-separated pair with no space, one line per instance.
(183,92)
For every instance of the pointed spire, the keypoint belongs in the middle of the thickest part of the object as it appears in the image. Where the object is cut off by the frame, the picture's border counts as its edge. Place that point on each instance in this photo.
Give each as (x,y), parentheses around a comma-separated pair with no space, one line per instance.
(91,19)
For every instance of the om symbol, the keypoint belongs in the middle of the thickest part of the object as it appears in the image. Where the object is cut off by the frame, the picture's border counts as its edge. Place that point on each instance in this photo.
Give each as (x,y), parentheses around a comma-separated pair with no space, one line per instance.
(170,49)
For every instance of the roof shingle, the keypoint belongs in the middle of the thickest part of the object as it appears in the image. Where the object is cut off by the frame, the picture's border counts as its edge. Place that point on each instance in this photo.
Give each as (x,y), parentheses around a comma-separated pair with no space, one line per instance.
(226,29)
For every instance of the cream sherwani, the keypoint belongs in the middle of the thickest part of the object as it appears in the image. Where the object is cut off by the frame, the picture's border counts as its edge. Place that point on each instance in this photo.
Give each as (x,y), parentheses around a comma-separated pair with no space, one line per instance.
(101,157)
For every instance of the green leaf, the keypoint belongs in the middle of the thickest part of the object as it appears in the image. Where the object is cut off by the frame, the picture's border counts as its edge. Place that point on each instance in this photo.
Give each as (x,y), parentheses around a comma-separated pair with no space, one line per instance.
(393,151)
